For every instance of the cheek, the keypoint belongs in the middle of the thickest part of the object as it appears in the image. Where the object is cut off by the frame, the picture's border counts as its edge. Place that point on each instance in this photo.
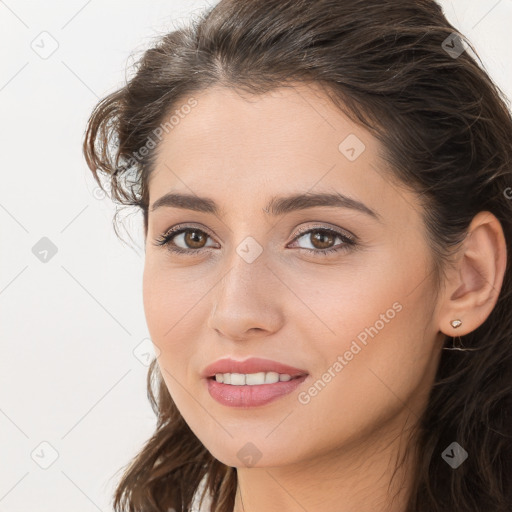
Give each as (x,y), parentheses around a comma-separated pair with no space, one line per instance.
(175,317)
(163,309)
(156,301)
(168,318)
(169,301)
(347,301)
(366,384)
(375,322)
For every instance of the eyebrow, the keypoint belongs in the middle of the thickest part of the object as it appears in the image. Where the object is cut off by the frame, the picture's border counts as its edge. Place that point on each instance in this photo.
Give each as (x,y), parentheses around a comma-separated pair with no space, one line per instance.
(275,207)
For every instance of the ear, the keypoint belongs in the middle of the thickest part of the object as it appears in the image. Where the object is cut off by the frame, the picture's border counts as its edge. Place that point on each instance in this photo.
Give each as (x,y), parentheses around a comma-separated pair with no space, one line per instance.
(474,281)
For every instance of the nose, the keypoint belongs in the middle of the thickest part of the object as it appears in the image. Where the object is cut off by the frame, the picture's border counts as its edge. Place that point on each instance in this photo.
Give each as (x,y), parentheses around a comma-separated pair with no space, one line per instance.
(246,303)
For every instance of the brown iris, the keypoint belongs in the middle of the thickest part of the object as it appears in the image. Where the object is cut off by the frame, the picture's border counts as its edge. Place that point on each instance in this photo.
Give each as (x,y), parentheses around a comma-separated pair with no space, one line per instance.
(192,236)
(322,237)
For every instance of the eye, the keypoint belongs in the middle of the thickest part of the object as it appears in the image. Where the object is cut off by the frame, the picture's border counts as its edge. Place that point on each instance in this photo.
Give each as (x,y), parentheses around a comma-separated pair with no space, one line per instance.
(323,238)
(187,236)
(193,240)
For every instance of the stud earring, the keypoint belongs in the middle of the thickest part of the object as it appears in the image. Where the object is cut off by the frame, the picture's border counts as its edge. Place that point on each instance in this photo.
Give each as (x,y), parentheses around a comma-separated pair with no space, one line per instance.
(455,323)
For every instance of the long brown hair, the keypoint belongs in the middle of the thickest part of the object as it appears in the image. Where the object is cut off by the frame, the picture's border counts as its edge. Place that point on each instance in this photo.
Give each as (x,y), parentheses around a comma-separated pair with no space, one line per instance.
(393,67)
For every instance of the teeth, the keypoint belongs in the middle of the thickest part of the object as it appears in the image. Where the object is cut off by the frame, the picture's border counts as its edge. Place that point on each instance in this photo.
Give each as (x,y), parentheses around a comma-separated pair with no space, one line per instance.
(251,379)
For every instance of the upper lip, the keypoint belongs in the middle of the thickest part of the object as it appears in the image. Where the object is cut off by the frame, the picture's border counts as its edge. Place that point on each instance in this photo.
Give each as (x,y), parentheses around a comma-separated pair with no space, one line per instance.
(251,365)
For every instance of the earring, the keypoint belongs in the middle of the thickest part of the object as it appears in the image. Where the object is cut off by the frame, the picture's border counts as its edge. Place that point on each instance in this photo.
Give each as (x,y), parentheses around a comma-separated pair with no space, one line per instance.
(455,323)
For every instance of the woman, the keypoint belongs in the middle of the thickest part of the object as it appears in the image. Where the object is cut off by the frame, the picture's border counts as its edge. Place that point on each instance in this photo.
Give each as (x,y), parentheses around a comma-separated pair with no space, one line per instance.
(326,191)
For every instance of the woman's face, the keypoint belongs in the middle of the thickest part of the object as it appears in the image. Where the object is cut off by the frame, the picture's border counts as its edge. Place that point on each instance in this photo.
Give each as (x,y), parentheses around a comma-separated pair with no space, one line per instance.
(360,320)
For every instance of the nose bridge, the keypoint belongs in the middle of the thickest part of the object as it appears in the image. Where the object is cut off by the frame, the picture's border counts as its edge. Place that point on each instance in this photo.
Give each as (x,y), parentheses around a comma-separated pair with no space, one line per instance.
(241,300)
(247,272)
(247,254)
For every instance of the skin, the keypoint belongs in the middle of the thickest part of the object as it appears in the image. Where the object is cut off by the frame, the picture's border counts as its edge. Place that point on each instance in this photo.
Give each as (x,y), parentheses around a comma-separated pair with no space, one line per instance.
(337,452)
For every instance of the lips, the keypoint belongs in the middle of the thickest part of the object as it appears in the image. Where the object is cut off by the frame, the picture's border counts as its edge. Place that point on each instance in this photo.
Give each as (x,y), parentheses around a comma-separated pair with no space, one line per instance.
(251,365)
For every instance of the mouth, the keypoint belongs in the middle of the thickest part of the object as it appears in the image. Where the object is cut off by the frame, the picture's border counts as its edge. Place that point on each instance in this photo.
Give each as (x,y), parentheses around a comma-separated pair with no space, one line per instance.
(252,390)
(251,371)
(254,379)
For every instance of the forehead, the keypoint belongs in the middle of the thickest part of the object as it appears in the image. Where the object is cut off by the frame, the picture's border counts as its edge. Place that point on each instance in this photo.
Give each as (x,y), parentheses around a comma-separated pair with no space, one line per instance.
(299,118)
(290,140)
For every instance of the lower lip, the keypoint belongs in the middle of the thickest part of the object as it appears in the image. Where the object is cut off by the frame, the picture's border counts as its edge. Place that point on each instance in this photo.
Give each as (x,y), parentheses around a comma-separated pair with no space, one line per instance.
(251,396)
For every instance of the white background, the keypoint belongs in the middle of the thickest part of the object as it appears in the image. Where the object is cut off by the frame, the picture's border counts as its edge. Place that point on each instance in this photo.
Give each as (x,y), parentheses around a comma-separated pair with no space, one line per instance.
(69,327)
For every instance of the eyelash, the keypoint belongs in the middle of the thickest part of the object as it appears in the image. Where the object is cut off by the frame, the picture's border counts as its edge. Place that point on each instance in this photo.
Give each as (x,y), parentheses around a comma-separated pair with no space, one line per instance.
(165,240)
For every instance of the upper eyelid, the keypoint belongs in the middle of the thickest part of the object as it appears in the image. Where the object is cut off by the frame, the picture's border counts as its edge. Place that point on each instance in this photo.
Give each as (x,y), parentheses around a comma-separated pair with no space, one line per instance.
(326,227)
